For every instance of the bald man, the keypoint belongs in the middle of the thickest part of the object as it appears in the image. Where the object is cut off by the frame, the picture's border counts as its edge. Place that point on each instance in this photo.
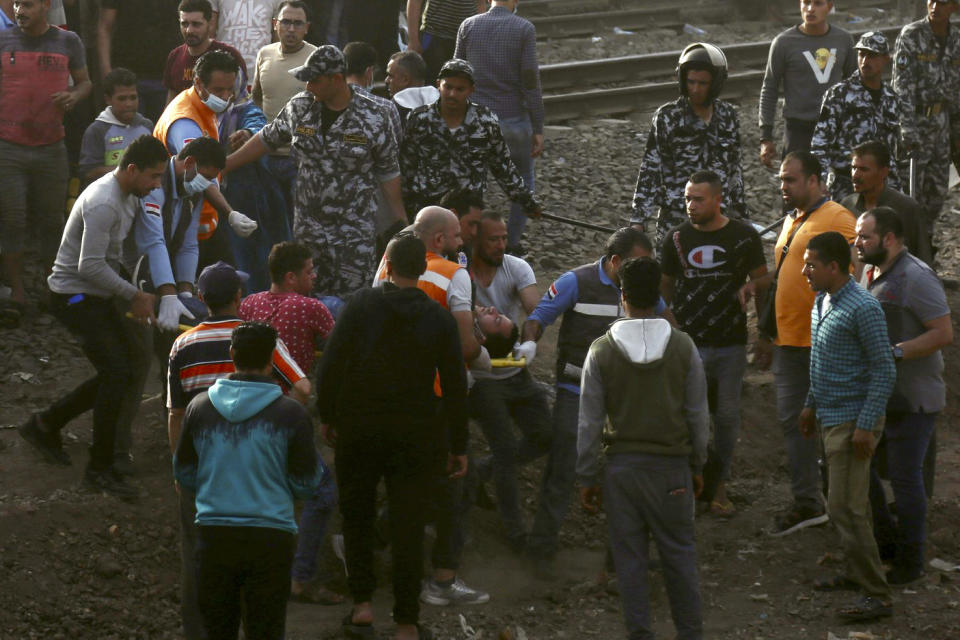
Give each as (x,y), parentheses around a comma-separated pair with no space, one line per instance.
(448,283)
(445,281)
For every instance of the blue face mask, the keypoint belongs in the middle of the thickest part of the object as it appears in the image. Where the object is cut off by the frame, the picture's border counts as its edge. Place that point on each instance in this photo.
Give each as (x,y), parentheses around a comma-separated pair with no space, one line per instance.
(216,103)
(198,184)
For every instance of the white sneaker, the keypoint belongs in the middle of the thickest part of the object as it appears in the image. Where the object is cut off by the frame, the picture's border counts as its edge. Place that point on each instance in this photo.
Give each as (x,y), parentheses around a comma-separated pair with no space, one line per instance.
(456,593)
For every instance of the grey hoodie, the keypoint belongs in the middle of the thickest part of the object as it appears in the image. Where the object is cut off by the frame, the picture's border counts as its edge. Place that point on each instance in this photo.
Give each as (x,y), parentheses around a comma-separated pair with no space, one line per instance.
(643,346)
(106,138)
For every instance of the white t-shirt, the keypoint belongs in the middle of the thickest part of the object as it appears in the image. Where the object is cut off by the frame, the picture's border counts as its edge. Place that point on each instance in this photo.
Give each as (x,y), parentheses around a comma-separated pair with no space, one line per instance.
(247,25)
(504,295)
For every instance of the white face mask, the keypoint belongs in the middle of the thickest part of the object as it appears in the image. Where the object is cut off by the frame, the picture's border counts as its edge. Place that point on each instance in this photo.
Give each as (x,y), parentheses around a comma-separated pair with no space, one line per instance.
(198,184)
(216,103)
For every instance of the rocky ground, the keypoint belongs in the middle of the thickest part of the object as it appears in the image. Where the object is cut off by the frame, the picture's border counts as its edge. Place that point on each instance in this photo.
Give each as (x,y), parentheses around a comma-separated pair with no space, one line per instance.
(75,565)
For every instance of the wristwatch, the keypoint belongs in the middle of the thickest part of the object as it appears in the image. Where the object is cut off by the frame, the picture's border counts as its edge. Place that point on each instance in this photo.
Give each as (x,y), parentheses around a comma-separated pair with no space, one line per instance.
(897,353)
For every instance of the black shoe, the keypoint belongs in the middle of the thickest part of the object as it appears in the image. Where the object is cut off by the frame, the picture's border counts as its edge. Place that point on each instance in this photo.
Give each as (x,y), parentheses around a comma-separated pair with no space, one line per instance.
(900,576)
(796,518)
(48,444)
(123,464)
(109,481)
(864,609)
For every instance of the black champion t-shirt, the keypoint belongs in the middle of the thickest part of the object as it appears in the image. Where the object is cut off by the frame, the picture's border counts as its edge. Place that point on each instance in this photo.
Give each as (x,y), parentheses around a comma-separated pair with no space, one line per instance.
(708,270)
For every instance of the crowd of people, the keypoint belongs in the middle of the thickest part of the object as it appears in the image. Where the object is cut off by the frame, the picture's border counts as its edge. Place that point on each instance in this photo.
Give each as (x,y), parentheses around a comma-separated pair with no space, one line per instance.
(248,201)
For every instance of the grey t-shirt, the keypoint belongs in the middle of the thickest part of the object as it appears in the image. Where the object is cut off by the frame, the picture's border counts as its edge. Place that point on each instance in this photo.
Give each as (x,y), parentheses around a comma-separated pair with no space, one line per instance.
(805,66)
(503,294)
(92,242)
(911,294)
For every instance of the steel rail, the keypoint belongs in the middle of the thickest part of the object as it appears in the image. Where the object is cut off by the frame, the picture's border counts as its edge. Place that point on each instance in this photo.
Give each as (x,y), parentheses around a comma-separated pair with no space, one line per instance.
(647,96)
(572,18)
(647,66)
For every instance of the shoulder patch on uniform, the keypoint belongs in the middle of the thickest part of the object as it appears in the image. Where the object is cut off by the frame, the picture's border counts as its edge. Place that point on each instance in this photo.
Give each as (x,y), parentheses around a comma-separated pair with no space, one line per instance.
(552,291)
(302,130)
(355,139)
(152,208)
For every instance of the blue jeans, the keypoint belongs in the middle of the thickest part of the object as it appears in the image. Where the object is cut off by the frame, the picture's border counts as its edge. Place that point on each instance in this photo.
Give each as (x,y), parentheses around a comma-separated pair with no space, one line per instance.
(253,191)
(518,134)
(284,171)
(152,96)
(558,477)
(907,436)
(313,527)
(497,405)
(650,496)
(724,367)
(791,376)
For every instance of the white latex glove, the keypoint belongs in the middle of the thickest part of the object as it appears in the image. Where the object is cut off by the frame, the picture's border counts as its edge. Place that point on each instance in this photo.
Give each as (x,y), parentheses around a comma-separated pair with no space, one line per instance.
(243,225)
(170,311)
(526,350)
(482,361)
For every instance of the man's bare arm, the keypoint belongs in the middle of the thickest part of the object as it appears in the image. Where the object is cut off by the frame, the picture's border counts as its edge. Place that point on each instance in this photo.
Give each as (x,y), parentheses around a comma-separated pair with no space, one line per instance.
(174,425)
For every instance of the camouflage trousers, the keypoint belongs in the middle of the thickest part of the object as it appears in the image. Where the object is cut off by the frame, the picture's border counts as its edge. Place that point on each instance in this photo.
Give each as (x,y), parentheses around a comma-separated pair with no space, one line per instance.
(343,254)
(931,168)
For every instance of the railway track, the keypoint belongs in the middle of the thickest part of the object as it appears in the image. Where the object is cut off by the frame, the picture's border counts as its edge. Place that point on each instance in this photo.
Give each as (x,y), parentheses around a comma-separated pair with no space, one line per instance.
(746,63)
(582,18)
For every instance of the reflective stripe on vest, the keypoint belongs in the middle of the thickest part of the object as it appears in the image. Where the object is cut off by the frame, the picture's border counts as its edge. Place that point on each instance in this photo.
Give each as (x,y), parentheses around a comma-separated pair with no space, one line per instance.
(611,310)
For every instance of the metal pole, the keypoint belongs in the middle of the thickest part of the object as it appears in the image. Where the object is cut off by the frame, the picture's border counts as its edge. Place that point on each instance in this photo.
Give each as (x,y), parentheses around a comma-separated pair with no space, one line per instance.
(577,223)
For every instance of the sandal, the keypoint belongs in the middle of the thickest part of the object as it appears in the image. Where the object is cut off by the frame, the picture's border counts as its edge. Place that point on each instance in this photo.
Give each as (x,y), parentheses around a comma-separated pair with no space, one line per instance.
(356,630)
(865,609)
(836,583)
(318,595)
(722,509)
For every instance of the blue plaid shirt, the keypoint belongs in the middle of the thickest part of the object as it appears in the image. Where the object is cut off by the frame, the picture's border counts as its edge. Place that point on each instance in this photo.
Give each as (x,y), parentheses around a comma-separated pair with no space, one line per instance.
(851,365)
(502,48)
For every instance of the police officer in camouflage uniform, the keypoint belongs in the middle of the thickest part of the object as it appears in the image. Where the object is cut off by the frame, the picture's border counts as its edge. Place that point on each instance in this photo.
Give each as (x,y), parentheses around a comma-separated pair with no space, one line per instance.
(451,143)
(859,109)
(346,153)
(926,77)
(695,132)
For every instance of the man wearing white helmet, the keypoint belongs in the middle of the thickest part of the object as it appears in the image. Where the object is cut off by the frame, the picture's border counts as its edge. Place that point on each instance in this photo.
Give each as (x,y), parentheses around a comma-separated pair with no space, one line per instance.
(695,132)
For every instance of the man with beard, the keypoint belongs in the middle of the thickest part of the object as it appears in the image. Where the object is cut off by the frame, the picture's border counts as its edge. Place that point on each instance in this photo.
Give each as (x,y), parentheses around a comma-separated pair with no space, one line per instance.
(696,131)
(706,263)
(869,169)
(858,109)
(195,16)
(503,397)
(851,376)
(918,321)
(813,213)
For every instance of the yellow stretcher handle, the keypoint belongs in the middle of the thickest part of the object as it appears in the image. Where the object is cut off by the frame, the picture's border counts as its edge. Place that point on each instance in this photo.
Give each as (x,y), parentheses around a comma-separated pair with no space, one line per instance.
(501,363)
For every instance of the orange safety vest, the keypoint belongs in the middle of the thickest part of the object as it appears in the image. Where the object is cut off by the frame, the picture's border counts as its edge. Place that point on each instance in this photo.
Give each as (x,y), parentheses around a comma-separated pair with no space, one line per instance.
(188,105)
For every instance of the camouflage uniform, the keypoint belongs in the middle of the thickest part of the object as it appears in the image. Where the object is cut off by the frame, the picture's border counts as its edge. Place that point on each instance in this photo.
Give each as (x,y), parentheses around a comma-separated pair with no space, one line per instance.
(435,160)
(926,78)
(681,143)
(338,180)
(850,116)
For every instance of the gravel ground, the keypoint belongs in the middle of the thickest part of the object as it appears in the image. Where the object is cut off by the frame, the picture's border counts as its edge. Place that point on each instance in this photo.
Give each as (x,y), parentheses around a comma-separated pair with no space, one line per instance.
(75,565)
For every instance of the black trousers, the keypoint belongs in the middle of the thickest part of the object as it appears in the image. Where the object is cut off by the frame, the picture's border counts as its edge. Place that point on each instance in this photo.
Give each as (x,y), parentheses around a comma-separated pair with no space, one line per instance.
(243,569)
(96,323)
(404,456)
(797,135)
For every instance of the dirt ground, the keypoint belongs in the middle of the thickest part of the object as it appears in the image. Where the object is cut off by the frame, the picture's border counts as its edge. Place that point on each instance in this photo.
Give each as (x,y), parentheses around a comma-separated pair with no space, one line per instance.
(75,565)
